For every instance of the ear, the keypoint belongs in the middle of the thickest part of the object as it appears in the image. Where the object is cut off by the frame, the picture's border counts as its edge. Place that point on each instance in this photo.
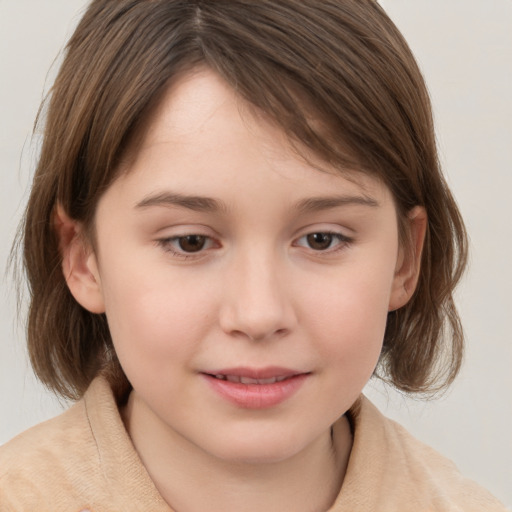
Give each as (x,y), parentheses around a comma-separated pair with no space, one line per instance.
(79,263)
(409,259)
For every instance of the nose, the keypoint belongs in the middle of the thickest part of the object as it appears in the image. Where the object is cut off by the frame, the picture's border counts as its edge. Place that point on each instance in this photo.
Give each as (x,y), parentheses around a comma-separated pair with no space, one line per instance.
(257,303)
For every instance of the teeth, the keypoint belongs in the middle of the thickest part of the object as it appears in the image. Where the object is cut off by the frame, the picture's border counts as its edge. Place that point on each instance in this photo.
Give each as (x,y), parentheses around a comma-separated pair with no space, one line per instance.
(248,380)
(267,381)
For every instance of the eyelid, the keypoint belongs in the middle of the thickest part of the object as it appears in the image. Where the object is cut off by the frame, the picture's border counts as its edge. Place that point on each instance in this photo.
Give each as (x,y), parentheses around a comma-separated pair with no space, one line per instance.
(179,229)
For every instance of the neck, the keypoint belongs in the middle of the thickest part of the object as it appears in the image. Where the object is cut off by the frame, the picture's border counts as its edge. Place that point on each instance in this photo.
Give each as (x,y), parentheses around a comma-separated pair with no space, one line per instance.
(191,480)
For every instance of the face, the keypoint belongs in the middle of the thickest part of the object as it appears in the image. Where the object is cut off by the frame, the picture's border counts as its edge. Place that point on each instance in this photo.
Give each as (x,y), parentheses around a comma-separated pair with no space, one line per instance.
(246,289)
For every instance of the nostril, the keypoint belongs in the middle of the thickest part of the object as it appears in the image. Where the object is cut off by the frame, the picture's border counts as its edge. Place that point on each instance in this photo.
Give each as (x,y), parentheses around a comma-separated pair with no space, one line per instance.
(267,334)
(256,318)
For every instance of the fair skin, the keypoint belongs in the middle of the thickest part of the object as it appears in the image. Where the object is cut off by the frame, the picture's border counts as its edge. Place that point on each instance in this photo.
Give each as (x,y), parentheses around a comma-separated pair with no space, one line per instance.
(287,276)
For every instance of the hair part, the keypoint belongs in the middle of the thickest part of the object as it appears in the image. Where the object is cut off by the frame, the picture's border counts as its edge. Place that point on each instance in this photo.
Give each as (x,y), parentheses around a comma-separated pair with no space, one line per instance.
(336,76)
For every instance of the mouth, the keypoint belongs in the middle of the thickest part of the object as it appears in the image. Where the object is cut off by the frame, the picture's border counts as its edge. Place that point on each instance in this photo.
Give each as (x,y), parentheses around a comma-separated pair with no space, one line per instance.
(256,388)
(255,376)
(248,380)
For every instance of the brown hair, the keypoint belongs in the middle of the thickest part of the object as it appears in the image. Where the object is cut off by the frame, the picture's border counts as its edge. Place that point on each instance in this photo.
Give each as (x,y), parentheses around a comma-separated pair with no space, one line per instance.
(342,62)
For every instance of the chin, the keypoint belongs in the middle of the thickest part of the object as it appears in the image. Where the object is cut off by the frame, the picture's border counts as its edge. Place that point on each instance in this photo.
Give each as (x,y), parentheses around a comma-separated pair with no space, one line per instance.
(257,447)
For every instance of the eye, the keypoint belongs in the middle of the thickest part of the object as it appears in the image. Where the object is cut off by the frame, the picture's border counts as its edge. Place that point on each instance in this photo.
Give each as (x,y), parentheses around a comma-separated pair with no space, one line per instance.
(186,245)
(322,241)
(191,243)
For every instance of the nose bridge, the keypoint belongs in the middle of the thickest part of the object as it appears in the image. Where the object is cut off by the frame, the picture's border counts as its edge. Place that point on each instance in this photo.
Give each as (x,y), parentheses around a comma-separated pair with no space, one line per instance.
(257,304)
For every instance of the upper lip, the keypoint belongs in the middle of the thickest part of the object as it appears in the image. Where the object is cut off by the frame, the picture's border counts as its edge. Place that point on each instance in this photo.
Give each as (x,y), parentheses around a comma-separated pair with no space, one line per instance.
(256,374)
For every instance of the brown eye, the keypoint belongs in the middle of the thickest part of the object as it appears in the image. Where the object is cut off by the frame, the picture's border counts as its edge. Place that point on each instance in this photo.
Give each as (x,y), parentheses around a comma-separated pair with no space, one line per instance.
(320,241)
(191,243)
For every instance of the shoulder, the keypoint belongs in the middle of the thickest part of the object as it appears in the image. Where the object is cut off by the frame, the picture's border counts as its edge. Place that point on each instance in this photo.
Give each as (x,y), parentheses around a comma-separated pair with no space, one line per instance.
(32,463)
(80,460)
(399,471)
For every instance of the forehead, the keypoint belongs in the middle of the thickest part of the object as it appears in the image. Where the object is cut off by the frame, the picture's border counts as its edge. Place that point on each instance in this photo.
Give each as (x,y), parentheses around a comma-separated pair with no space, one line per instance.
(203,135)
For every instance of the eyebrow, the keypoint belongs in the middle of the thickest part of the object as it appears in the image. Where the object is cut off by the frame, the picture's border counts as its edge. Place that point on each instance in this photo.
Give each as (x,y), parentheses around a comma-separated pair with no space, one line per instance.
(210,205)
(316,204)
(196,203)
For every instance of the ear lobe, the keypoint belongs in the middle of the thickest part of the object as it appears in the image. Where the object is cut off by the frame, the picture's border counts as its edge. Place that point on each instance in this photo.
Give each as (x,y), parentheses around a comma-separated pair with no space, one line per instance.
(79,264)
(409,261)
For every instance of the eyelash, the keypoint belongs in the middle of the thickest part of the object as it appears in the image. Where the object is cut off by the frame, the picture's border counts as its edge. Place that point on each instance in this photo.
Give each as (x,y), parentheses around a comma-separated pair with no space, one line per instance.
(167,243)
(342,241)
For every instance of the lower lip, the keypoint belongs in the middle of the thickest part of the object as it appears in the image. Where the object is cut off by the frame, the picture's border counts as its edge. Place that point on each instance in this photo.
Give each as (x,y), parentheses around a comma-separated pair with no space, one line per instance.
(256,396)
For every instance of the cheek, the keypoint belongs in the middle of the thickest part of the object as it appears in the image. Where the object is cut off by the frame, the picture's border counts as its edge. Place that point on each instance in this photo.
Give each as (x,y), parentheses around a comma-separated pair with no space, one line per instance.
(150,315)
(349,317)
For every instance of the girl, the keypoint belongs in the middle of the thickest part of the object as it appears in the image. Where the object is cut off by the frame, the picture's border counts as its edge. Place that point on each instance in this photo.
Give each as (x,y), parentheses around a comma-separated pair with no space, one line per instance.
(237,219)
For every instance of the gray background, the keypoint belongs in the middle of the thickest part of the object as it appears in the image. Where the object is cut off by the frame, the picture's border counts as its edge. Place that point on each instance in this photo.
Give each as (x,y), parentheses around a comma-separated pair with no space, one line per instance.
(465,50)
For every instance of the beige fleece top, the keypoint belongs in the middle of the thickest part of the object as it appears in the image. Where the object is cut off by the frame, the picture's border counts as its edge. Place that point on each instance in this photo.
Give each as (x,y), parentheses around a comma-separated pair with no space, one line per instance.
(83,460)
